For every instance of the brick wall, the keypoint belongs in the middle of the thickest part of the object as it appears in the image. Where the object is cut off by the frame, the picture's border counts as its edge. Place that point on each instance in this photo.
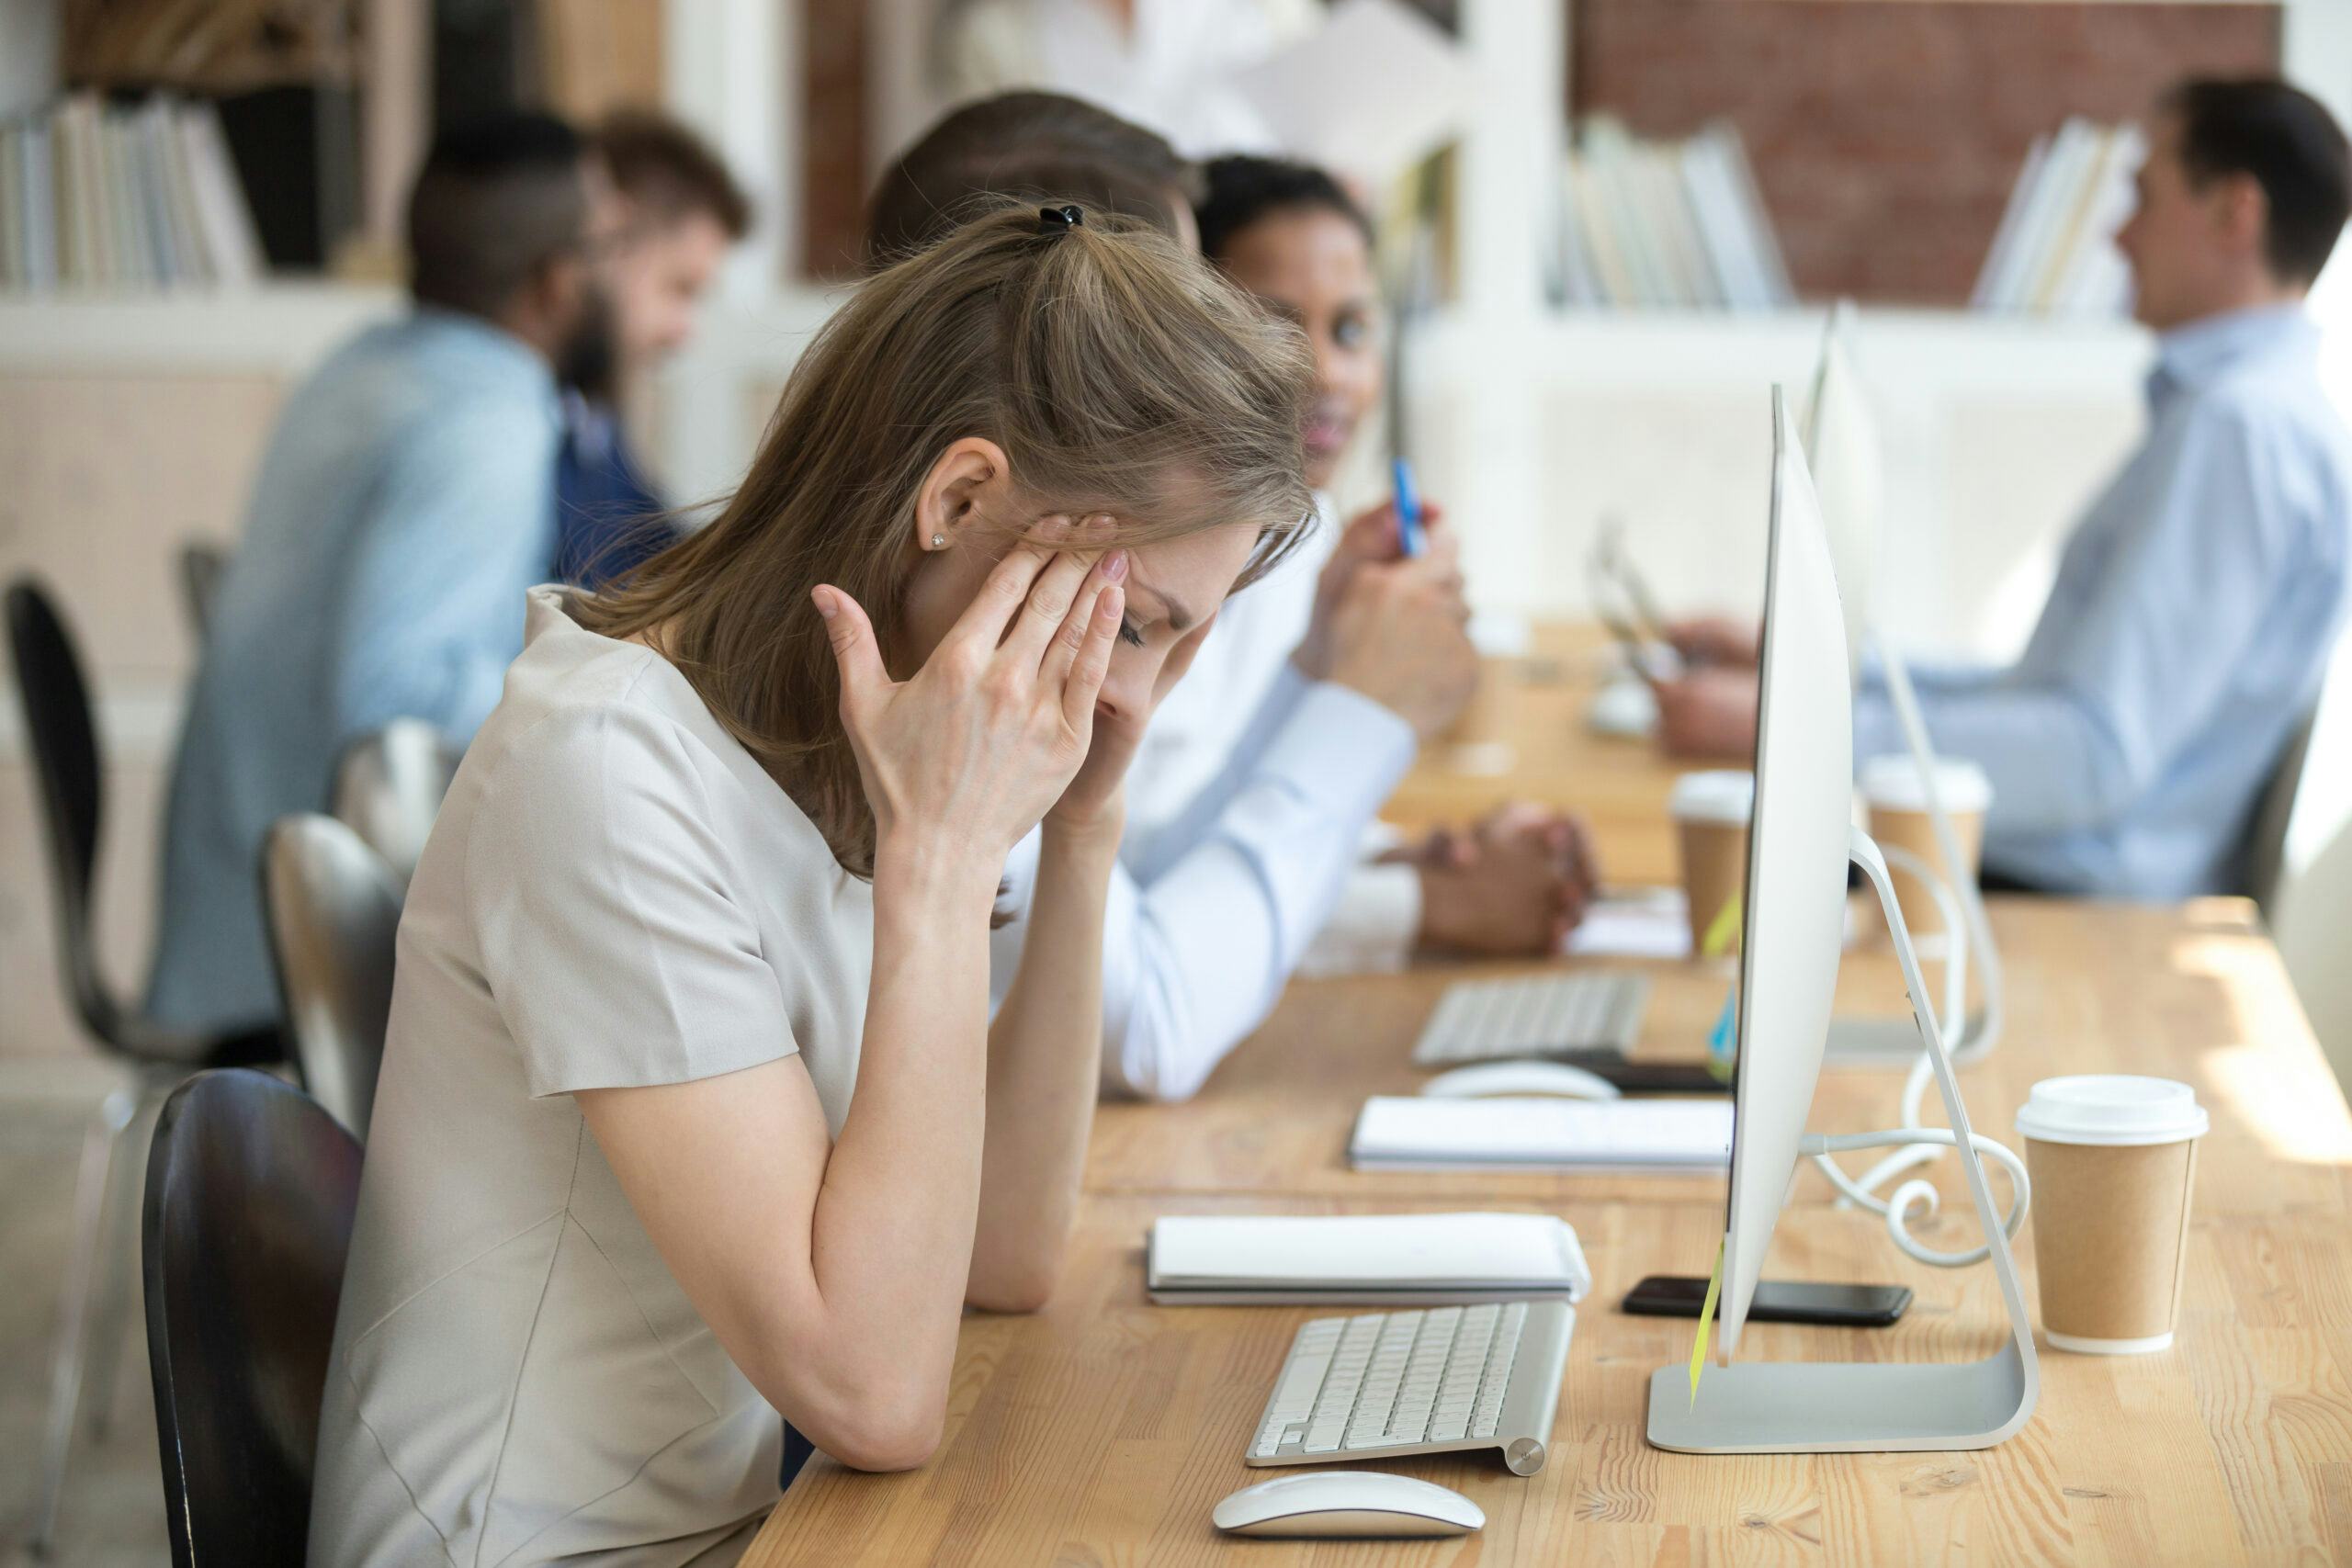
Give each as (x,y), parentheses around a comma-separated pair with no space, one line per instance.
(833,136)
(1887,133)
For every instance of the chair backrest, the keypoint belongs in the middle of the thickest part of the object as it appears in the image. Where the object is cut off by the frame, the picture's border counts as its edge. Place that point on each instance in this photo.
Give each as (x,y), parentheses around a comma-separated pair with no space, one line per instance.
(2265,841)
(201,565)
(250,1188)
(65,759)
(388,788)
(335,913)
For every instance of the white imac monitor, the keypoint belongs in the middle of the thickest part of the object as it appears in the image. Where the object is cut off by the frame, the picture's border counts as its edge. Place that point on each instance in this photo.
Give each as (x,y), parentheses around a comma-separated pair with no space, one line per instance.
(1795,897)
(1799,844)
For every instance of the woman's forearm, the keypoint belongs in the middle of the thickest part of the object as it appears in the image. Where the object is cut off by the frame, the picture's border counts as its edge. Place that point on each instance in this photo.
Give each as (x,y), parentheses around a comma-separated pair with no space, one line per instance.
(1044,1066)
(894,1217)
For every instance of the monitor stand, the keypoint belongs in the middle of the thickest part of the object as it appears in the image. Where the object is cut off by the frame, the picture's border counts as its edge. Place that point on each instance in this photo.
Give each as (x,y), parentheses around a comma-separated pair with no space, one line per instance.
(1892,1042)
(1763,1408)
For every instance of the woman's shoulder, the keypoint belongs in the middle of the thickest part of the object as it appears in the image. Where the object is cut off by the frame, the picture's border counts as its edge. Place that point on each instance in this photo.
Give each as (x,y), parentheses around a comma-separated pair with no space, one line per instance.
(596,738)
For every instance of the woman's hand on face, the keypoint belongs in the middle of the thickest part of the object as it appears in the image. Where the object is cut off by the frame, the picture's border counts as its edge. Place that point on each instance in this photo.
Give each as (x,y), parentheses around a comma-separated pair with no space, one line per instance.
(1095,803)
(972,752)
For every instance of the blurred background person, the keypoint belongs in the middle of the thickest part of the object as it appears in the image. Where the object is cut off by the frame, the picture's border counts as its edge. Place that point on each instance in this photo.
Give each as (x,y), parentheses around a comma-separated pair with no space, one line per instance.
(1515,882)
(2199,600)
(681,212)
(405,504)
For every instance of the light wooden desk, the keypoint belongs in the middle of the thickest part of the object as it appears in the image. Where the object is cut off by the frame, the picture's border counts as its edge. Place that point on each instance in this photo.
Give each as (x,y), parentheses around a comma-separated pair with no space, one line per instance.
(1102,1430)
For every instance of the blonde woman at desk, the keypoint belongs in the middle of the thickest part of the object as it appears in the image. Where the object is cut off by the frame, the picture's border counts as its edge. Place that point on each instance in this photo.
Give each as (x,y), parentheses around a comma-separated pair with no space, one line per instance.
(726,852)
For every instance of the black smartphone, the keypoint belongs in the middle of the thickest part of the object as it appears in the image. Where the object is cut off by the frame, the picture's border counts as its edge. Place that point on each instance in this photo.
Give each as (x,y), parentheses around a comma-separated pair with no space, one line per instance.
(1633,1076)
(1777,1301)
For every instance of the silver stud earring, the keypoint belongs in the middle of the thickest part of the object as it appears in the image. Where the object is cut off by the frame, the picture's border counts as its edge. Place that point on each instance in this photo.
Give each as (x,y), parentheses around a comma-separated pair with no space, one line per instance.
(939,541)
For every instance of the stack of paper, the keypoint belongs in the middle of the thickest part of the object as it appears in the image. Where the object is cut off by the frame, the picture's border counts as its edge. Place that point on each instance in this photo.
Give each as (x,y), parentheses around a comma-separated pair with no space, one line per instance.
(1666,223)
(1655,1136)
(2054,252)
(1361,1259)
(107,197)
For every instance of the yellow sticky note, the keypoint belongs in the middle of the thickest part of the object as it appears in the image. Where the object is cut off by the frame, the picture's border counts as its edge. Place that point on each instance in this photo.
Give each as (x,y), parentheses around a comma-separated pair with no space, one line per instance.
(1706,1321)
(1721,930)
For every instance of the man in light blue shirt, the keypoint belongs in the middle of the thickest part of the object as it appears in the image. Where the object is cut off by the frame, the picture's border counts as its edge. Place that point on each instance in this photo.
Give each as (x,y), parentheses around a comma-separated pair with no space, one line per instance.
(404,505)
(2197,605)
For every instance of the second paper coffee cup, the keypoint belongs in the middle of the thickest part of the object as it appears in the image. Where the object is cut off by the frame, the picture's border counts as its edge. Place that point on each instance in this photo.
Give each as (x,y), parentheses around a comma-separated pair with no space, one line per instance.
(1896,790)
(2113,1158)
(1710,813)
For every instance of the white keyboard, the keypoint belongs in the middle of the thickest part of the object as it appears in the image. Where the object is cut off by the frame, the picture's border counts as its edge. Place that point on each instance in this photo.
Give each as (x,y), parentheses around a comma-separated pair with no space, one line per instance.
(1533,1015)
(1426,1382)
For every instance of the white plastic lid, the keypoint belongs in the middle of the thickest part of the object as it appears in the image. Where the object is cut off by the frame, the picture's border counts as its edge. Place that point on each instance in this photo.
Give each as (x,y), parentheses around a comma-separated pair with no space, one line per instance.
(1726,796)
(2111,1108)
(1897,782)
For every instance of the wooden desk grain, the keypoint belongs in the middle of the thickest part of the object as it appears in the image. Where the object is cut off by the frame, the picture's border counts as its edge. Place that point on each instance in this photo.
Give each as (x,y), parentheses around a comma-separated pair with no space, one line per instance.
(1102,1430)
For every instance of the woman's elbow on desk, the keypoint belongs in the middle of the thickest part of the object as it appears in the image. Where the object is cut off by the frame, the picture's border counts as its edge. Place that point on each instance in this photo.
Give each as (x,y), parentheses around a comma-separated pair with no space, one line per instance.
(887,1416)
(1016,1286)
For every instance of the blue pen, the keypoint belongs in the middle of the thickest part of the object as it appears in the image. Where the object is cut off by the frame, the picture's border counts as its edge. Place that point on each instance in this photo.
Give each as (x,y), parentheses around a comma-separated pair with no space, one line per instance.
(1410,537)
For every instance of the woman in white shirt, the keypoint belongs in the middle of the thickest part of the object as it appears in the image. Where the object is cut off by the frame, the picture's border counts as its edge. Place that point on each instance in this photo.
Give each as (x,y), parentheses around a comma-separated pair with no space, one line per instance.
(726,852)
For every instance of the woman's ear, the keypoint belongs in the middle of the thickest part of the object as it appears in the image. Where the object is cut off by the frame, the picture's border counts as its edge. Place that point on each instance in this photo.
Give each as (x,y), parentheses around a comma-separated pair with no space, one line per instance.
(970,484)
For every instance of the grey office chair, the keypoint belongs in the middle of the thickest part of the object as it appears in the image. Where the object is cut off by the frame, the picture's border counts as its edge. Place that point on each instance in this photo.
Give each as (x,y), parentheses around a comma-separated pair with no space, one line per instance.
(334,909)
(201,565)
(388,788)
(2265,841)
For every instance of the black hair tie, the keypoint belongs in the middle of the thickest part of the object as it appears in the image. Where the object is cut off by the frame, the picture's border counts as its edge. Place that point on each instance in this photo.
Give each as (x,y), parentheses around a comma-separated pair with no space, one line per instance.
(1055,222)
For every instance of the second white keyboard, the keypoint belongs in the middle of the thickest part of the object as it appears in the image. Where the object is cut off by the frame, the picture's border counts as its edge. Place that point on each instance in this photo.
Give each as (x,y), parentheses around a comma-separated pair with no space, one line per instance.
(1533,1015)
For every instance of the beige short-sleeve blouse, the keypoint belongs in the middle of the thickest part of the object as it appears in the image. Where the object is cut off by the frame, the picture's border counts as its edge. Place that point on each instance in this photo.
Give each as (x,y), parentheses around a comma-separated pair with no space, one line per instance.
(615,893)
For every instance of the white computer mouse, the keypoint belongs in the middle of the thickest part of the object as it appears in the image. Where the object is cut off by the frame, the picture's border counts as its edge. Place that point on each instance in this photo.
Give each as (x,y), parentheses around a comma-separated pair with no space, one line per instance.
(1625,706)
(1489,1081)
(1365,1504)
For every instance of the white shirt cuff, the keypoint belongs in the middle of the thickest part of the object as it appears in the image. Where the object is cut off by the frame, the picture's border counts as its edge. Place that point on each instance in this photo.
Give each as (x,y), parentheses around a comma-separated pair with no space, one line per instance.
(1372,929)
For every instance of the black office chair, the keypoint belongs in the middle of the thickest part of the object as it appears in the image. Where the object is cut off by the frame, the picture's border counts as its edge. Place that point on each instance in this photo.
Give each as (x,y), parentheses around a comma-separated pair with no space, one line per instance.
(201,565)
(251,1187)
(2264,855)
(66,762)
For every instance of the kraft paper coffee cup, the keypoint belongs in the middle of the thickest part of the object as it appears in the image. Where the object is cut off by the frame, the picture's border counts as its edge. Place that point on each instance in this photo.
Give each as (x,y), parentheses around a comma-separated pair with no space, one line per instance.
(2112,1159)
(1894,788)
(1710,813)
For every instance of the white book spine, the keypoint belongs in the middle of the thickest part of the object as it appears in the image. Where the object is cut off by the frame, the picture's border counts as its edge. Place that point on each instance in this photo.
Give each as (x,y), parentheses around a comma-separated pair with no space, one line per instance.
(39,154)
(2000,259)
(1611,269)
(230,243)
(135,256)
(13,270)
(77,203)
(170,152)
(2052,203)
(1579,282)
(1762,240)
(2074,219)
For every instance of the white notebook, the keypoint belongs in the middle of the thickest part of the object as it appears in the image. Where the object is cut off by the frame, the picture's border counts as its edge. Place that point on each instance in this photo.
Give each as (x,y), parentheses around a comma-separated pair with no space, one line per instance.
(1351,1259)
(1664,1136)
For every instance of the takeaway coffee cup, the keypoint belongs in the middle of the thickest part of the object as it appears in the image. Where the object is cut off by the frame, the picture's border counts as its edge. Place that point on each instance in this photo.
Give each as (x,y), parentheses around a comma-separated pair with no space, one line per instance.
(2111,1158)
(1710,813)
(1894,788)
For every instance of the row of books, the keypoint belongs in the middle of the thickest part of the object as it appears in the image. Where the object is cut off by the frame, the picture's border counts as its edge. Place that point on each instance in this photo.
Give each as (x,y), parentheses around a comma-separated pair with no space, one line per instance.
(1679,224)
(2054,252)
(97,194)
